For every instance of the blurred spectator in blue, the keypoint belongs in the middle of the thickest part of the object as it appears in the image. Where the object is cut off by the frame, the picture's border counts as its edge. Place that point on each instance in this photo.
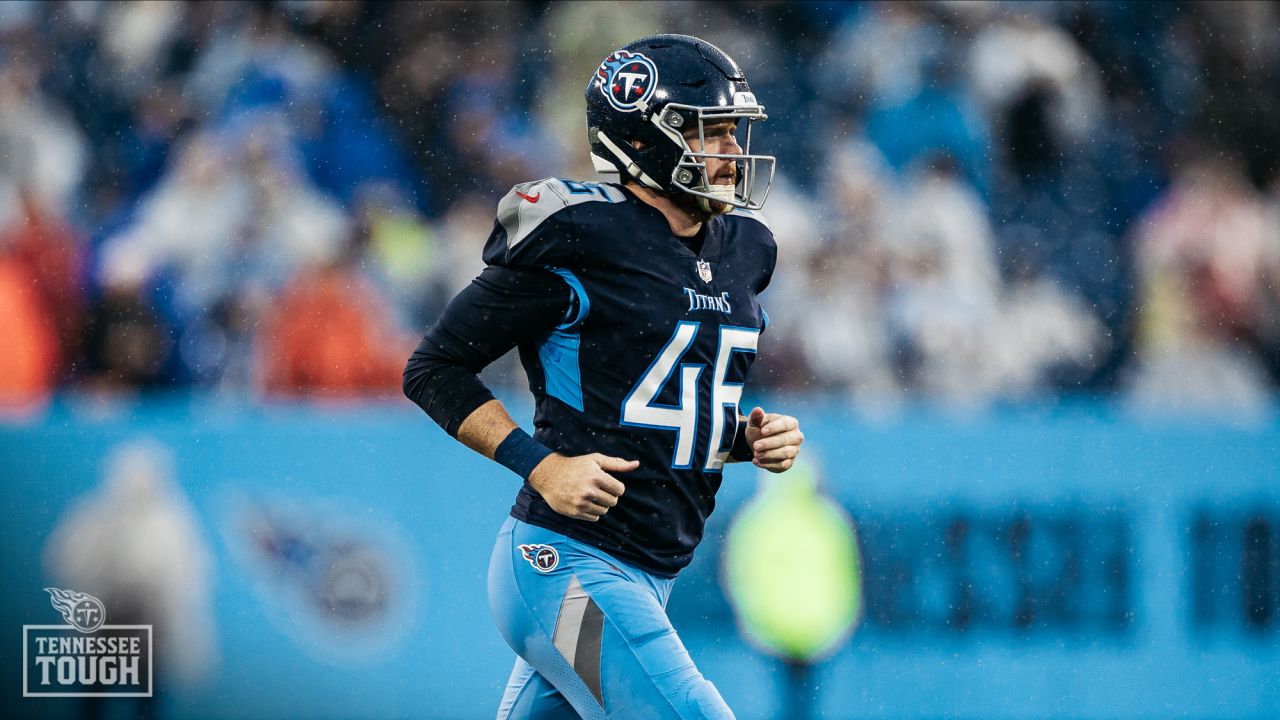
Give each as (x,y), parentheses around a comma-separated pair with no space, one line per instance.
(127,344)
(943,284)
(264,64)
(1047,339)
(42,150)
(906,74)
(231,221)
(492,147)
(1058,242)
(846,344)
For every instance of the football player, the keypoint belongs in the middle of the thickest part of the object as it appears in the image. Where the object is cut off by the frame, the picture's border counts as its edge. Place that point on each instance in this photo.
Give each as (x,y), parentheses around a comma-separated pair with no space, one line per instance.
(635,310)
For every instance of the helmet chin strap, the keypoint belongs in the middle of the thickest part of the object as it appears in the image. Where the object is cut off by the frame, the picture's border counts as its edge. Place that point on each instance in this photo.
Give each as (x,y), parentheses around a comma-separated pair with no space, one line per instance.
(723,193)
(632,168)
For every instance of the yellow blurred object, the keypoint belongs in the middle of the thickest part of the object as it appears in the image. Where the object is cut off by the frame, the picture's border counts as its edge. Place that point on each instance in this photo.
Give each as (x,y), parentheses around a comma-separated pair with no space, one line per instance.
(792,568)
(404,247)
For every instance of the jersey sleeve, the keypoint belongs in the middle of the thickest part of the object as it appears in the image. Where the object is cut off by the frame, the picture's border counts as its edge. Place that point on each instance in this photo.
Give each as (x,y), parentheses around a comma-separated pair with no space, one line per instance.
(498,310)
(535,225)
(534,228)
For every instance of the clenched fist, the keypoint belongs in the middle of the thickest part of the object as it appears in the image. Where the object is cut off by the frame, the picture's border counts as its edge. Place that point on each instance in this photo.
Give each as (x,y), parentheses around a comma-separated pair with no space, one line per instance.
(775,440)
(580,487)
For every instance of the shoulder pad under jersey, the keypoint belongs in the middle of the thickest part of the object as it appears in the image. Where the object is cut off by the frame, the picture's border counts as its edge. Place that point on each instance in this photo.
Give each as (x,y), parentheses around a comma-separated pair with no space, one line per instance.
(530,204)
(754,215)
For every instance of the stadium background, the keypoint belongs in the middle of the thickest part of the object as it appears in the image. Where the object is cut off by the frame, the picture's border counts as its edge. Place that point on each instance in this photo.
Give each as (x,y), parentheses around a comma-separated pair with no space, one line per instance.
(1028,308)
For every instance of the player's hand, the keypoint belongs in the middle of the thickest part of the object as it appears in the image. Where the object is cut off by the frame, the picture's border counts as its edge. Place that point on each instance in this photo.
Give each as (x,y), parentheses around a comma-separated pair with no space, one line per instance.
(775,440)
(580,487)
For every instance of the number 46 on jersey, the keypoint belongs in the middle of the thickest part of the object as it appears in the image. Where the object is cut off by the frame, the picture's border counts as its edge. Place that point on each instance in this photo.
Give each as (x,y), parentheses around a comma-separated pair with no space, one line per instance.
(640,409)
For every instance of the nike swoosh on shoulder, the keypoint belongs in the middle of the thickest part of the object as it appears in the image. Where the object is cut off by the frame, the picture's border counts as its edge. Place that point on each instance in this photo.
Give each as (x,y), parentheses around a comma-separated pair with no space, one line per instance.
(530,198)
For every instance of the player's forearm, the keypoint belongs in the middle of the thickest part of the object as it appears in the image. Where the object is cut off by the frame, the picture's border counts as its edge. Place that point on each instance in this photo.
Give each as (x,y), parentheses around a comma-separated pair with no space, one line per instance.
(445,390)
(490,431)
(497,311)
(486,427)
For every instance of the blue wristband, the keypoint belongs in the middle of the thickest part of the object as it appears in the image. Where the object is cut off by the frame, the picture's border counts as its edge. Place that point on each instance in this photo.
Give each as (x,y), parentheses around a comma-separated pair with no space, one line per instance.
(520,453)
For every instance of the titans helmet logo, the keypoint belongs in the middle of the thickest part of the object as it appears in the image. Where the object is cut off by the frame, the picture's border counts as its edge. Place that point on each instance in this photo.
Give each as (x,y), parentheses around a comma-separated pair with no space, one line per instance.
(627,79)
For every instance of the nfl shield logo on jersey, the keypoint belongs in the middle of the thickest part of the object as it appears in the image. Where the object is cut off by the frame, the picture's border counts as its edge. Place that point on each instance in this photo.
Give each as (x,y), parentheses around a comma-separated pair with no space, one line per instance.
(704,271)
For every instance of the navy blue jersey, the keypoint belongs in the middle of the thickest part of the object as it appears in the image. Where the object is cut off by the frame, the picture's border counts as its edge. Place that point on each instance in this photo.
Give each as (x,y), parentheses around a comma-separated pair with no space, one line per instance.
(646,356)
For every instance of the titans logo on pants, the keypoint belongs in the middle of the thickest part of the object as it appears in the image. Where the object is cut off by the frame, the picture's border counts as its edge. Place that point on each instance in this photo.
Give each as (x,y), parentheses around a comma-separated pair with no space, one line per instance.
(543,558)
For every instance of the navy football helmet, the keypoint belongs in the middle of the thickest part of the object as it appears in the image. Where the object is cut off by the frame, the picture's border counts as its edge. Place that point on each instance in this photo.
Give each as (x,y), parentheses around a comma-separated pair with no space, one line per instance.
(654,90)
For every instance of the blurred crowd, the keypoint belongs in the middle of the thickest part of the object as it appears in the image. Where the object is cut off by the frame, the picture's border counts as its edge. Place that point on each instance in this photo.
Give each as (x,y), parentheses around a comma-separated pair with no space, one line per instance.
(977,202)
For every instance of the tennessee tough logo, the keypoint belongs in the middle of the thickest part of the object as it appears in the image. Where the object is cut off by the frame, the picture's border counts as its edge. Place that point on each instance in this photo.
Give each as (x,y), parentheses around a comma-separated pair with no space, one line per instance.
(627,79)
(543,558)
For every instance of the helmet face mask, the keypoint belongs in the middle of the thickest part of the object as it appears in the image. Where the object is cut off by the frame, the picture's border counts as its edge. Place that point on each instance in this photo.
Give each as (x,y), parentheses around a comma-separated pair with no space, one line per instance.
(691,174)
(654,91)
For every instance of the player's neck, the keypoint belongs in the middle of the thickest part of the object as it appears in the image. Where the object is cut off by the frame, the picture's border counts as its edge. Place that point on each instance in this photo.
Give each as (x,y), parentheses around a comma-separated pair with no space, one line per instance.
(684,222)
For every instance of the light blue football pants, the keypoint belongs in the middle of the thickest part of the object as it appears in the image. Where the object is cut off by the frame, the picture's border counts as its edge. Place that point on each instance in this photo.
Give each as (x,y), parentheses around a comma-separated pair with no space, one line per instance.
(591,633)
